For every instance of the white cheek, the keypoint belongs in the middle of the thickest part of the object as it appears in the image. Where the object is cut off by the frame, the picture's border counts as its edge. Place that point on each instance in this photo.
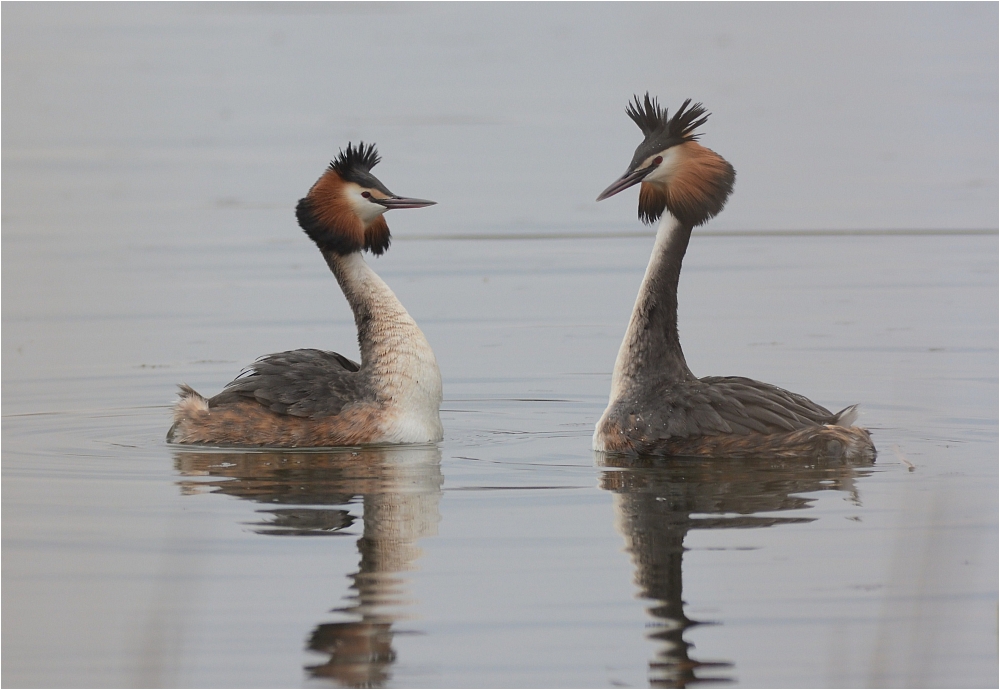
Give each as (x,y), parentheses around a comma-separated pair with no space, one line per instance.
(370,211)
(366,209)
(671,159)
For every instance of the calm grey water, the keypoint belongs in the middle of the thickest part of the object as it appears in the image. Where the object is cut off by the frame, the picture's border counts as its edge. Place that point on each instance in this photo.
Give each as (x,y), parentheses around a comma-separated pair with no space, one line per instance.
(152,156)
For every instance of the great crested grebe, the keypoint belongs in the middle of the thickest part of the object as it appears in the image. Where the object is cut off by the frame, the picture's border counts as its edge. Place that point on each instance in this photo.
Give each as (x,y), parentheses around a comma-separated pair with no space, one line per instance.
(312,398)
(657,406)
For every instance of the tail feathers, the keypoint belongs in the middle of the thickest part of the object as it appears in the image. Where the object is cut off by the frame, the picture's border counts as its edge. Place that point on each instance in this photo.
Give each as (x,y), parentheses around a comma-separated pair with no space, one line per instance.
(191,404)
(847,416)
(187,391)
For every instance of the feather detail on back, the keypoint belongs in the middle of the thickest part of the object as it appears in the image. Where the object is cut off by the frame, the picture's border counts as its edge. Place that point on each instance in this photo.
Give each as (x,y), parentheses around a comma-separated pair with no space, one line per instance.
(300,383)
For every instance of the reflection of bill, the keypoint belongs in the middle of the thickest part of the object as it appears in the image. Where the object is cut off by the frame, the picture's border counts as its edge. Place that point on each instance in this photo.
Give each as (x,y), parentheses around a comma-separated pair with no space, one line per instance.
(399,488)
(658,500)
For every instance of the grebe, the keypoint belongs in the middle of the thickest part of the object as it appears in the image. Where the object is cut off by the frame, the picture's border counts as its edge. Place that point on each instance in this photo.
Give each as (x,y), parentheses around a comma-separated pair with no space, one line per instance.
(311,398)
(657,406)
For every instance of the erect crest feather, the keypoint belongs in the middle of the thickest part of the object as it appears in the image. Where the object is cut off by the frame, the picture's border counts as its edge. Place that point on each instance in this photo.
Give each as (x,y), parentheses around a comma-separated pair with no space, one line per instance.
(361,158)
(654,123)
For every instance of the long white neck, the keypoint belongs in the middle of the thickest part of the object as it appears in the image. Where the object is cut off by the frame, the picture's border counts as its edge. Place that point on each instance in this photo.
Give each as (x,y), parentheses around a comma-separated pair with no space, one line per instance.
(651,350)
(383,323)
(394,352)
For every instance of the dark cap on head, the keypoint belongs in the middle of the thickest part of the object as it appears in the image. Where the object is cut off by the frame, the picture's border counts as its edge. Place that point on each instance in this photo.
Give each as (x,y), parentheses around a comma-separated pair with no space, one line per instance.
(354,164)
(661,132)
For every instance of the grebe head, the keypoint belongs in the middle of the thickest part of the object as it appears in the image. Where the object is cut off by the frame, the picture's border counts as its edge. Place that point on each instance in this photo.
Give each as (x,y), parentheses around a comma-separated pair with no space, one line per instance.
(343,211)
(677,173)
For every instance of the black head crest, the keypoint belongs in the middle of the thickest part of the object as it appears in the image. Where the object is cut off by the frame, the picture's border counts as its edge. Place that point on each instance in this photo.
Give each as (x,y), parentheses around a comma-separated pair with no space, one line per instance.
(662,132)
(354,164)
(649,115)
(353,160)
(653,121)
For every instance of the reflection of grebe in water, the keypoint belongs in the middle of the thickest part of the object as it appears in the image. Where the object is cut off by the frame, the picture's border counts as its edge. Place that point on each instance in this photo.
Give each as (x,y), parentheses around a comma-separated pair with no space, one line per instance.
(399,488)
(657,405)
(311,398)
(659,500)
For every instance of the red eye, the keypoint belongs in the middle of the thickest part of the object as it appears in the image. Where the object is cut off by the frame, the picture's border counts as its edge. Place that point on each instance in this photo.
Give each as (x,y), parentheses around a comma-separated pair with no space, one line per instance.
(366,195)
(657,160)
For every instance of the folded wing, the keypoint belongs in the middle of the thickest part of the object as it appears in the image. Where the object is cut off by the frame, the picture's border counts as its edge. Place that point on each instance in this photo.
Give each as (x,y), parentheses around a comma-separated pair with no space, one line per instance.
(718,405)
(300,383)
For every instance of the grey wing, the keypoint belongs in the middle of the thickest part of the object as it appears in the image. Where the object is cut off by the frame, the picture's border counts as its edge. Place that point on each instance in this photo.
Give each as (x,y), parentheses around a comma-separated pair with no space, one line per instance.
(735,405)
(301,383)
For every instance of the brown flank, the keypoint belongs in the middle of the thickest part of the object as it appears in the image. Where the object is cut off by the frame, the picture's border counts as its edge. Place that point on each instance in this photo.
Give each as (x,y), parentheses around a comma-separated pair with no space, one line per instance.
(251,424)
(828,441)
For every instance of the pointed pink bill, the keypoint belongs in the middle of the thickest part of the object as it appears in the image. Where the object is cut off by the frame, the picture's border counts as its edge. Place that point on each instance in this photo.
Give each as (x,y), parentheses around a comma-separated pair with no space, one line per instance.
(625,181)
(394,202)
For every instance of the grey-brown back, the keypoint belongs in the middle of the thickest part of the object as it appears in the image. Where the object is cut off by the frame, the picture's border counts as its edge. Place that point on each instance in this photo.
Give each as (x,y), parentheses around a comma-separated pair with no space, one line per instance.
(301,383)
(717,405)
